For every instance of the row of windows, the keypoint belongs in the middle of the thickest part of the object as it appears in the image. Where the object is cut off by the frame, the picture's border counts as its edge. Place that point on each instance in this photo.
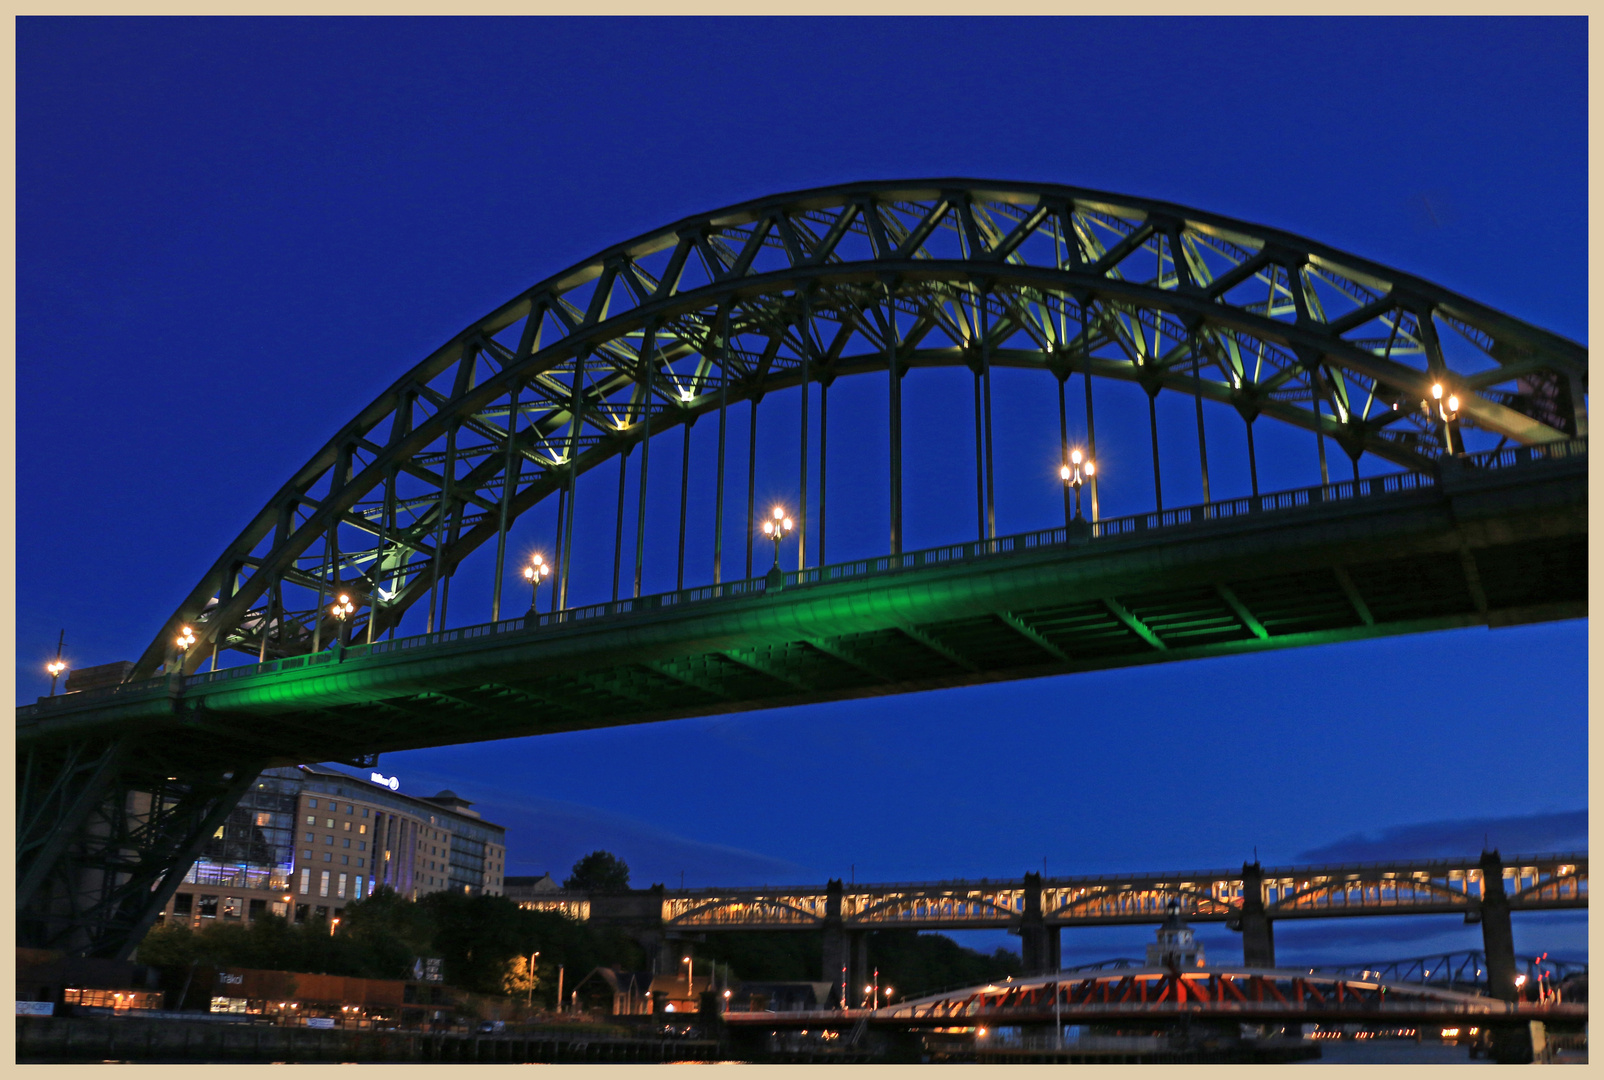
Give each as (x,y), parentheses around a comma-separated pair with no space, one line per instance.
(339,881)
(328,856)
(332,804)
(311,838)
(328,823)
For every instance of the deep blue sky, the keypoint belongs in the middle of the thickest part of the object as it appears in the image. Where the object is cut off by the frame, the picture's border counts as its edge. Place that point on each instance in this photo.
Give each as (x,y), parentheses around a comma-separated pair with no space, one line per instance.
(232,234)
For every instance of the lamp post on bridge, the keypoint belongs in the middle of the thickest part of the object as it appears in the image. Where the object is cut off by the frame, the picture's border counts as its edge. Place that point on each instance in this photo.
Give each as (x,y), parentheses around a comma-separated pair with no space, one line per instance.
(1074,476)
(537,571)
(186,638)
(57,666)
(341,609)
(1447,411)
(777,528)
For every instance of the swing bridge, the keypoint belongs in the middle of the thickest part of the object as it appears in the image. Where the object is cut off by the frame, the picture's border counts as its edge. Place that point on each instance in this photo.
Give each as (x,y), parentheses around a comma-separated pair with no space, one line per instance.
(1465,430)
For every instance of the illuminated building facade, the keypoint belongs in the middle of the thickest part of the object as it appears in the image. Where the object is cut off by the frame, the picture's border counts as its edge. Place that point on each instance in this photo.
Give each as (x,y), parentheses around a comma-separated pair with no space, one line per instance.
(319,839)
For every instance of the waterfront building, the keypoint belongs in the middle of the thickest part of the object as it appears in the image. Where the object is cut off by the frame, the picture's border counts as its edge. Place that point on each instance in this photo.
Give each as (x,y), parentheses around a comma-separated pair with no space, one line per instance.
(1176,946)
(306,840)
(529,887)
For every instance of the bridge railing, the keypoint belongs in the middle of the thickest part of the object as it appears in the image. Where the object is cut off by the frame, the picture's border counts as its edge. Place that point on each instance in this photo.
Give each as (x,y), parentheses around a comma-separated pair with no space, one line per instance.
(946,554)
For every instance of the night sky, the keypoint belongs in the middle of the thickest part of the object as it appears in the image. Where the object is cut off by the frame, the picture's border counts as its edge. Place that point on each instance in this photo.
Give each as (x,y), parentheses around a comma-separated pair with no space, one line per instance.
(233,234)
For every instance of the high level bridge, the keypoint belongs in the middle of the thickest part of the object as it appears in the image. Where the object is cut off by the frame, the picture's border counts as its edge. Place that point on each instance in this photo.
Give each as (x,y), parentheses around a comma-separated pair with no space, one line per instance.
(1485,889)
(322,632)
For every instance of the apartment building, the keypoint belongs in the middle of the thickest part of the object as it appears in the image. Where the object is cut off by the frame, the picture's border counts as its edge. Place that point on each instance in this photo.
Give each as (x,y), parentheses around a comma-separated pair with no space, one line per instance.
(307,840)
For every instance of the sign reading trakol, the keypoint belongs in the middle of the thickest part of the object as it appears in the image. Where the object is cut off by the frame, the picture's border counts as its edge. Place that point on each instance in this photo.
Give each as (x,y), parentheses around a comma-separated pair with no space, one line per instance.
(393,783)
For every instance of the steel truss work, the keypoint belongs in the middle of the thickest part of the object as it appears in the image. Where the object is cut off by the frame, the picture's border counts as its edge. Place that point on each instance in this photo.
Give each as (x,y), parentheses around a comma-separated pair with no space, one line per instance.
(1393,888)
(1462,970)
(106,827)
(795,290)
(1245,993)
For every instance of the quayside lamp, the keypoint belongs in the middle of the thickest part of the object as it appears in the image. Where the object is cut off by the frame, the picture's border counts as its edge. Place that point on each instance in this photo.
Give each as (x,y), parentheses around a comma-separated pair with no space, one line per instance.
(777,527)
(537,571)
(1077,472)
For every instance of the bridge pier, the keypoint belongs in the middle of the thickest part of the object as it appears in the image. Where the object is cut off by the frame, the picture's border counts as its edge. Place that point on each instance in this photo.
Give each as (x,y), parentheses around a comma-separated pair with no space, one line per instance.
(1497,935)
(1033,936)
(1258,935)
(860,966)
(835,952)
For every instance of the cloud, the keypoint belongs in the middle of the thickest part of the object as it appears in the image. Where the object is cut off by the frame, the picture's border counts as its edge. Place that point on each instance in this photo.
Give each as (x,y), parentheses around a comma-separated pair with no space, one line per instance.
(1529,834)
(550,835)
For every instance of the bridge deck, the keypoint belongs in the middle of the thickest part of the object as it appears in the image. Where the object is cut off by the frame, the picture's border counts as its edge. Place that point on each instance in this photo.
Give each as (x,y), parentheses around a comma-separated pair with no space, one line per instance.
(1500,539)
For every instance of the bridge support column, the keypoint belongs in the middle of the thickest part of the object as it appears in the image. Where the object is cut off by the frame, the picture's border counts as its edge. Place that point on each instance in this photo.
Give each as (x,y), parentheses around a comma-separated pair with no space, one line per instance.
(834,961)
(1032,931)
(1497,936)
(1258,936)
(860,966)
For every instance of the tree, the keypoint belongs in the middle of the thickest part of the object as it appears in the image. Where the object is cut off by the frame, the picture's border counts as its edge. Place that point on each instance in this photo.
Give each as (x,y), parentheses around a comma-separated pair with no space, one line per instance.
(600,871)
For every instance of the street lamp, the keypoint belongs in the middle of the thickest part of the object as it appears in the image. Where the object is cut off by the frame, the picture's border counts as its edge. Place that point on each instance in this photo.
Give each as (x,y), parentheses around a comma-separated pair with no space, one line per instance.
(341,609)
(1447,409)
(532,958)
(537,571)
(690,968)
(777,528)
(186,638)
(1074,475)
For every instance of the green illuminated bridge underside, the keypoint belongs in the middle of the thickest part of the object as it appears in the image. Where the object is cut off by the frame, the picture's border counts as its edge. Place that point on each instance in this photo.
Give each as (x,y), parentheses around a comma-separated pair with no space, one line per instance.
(1492,540)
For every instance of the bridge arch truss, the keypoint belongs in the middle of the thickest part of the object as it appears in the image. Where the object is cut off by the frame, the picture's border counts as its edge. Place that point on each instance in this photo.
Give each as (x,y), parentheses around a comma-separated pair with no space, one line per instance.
(793,291)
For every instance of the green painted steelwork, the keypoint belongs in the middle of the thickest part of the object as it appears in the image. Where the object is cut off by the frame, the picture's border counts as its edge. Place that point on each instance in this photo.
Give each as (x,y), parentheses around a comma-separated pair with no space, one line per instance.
(1390,555)
(811,286)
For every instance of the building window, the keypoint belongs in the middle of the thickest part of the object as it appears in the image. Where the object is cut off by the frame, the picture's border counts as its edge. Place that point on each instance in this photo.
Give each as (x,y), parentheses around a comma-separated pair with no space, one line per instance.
(349,808)
(310,837)
(310,820)
(330,823)
(306,854)
(362,829)
(359,862)
(312,803)
(182,903)
(346,826)
(328,840)
(357,892)
(231,907)
(208,906)
(339,889)
(323,884)
(345,860)
(364,811)
(328,856)
(361,845)
(347,841)
(306,881)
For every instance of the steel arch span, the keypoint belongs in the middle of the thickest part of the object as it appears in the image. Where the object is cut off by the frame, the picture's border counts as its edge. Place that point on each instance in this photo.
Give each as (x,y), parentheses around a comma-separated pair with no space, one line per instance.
(792,291)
